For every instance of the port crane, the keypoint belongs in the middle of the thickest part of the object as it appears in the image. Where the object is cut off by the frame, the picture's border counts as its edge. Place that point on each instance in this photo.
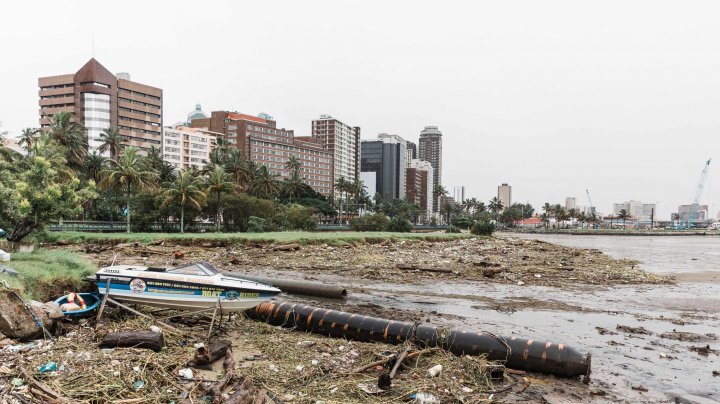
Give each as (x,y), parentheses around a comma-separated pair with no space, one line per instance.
(698,193)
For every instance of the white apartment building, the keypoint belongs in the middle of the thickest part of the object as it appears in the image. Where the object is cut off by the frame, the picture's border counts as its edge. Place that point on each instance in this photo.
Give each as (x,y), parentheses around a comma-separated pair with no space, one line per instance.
(184,147)
(641,212)
(505,195)
(343,141)
(570,203)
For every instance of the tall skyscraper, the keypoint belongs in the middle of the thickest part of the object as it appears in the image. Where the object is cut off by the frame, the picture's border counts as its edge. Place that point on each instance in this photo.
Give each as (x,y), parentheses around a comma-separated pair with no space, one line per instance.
(343,141)
(505,195)
(430,150)
(382,162)
(570,203)
(410,152)
(459,193)
(100,100)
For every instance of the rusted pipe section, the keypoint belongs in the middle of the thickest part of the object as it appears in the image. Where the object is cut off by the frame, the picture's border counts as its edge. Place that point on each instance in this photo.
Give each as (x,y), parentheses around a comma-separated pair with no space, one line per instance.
(518,353)
(307,288)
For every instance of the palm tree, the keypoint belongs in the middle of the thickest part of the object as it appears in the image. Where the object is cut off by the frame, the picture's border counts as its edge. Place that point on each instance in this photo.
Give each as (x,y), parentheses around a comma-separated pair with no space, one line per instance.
(243,171)
(111,141)
(495,205)
(548,209)
(70,135)
(154,157)
(560,213)
(218,182)
(94,164)
(341,185)
(572,214)
(185,191)
(28,137)
(128,173)
(265,184)
(293,185)
(624,215)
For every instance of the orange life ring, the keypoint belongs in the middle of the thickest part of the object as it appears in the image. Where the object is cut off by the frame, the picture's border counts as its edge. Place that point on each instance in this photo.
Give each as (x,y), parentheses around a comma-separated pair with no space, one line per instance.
(71,299)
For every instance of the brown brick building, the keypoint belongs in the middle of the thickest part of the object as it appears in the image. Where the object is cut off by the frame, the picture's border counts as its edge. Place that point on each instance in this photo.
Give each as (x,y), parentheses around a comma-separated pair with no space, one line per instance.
(259,140)
(99,100)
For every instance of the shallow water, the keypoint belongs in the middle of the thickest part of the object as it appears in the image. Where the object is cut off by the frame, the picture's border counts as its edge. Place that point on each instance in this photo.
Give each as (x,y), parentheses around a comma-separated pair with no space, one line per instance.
(659,254)
(621,361)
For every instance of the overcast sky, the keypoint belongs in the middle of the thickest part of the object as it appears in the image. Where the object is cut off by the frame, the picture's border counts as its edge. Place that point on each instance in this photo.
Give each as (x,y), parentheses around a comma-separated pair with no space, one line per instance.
(621,97)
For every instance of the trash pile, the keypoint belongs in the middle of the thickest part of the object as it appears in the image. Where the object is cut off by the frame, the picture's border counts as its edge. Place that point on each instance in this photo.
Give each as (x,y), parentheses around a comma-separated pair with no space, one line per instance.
(253,361)
(500,260)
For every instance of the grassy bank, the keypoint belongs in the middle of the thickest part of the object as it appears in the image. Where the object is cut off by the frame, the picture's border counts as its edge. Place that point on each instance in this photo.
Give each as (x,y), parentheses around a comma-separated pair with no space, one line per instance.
(241,238)
(48,274)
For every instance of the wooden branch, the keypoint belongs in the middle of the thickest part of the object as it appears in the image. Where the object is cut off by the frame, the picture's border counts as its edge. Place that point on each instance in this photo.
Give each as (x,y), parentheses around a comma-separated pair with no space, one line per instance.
(229,366)
(399,362)
(409,267)
(207,355)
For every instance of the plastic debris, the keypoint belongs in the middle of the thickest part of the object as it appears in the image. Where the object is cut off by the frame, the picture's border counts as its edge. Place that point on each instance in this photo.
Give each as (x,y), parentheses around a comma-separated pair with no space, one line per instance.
(17,382)
(155,328)
(48,367)
(4,256)
(424,398)
(138,385)
(435,370)
(186,373)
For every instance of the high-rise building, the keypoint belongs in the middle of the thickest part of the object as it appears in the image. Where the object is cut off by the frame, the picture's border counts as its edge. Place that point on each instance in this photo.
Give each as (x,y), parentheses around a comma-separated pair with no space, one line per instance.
(410,151)
(701,212)
(384,159)
(570,203)
(343,141)
(459,193)
(430,150)
(505,195)
(184,147)
(259,140)
(419,186)
(100,100)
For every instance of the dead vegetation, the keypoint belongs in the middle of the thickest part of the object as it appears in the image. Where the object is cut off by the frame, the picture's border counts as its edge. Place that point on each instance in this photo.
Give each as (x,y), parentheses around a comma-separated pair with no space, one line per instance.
(500,260)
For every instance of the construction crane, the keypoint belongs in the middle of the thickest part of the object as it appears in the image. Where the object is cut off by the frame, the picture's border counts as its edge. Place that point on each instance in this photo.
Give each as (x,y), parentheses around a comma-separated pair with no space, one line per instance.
(591,210)
(698,193)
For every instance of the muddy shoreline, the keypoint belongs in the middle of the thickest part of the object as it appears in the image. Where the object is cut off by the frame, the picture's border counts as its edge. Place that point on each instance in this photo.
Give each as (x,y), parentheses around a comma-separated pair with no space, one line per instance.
(505,285)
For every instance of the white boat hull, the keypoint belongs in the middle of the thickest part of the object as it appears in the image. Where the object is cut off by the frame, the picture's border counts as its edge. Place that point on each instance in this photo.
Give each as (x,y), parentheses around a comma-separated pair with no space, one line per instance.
(197,287)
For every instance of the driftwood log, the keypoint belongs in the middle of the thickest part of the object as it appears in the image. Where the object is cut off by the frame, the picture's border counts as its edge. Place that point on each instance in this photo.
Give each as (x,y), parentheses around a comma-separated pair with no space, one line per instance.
(244,394)
(135,339)
(206,355)
(408,267)
(229,365)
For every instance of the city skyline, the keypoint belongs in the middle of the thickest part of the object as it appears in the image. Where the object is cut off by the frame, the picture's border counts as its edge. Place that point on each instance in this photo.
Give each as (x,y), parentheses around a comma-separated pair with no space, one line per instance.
(559,100)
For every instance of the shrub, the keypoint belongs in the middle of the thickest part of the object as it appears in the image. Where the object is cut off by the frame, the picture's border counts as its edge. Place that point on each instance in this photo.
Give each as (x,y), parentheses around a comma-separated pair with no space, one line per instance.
(462,222)
(399,225)
(483,229)
(256,224)
(299,217)
(452,229)
(369,222)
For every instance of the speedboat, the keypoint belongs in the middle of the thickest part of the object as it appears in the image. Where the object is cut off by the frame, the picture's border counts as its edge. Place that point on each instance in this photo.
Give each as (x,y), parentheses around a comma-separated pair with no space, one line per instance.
(192,287)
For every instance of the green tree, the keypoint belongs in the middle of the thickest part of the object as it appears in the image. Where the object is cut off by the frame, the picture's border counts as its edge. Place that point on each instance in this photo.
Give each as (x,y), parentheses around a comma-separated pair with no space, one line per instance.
(495,206)
(128,173)
(219,182)
(112,142)
(265,184)
(624,215)
(293,185)
(37,195)
(93,166)
(28,138)
(560,214)
(185,191)
(548,213)
(70,135)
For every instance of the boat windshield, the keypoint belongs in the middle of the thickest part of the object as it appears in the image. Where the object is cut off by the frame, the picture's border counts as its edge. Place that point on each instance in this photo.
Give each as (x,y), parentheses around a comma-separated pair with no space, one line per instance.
(198,268)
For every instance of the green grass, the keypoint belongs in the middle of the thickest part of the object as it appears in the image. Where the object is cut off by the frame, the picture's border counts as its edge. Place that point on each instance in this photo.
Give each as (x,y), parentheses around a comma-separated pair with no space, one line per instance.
(241,238)
(48,274)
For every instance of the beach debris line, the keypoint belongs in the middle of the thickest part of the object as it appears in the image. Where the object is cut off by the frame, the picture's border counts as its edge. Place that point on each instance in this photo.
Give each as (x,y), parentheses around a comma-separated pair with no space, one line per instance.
(517,353)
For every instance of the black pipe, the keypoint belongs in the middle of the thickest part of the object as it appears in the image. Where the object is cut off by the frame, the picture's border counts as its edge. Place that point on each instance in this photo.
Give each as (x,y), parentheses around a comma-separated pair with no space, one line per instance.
(297,287)
(518,353)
